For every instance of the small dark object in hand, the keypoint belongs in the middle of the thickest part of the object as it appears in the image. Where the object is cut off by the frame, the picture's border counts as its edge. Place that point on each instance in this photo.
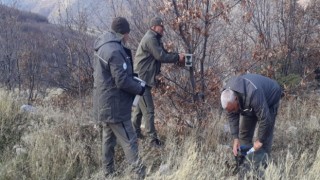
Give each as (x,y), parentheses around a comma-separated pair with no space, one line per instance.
(242,152)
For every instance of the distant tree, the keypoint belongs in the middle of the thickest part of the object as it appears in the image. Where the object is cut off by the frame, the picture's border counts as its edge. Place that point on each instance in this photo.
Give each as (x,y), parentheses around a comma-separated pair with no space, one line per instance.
(31,63)
(283,35)
(76,42)
(9,33)
(194,28)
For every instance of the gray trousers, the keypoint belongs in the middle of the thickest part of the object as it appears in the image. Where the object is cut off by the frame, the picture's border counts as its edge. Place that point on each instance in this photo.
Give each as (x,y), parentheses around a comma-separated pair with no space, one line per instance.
(127,138)
(248,130)
(256,161)
(145,109)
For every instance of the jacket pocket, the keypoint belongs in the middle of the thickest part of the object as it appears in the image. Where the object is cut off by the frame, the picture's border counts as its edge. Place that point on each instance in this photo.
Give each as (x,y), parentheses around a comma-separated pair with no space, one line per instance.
(106,110)
(123,106)
(105,114)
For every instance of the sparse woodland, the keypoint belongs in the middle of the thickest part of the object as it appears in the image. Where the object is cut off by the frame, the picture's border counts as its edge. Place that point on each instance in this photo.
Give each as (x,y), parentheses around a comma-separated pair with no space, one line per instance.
(48,66)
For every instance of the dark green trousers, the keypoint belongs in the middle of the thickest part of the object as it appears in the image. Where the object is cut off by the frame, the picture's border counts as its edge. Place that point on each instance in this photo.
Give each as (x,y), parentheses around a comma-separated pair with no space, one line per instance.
(256,161)
(145,109)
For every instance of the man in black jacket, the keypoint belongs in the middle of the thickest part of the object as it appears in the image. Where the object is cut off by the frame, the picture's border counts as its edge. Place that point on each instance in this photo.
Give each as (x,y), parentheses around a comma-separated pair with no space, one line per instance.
(256,98)
(113,93)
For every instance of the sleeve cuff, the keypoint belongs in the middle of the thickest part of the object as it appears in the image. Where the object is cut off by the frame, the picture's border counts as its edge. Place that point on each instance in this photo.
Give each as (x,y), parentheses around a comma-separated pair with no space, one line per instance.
(235,136)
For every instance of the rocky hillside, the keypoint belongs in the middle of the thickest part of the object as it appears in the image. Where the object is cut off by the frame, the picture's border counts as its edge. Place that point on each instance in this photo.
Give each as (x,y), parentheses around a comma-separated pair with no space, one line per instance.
(55,10)
(47,8)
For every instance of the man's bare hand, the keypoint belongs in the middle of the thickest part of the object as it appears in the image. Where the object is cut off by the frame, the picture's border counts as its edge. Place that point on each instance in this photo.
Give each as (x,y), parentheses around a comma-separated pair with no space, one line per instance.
(257,145)
(236,146)
(181,58)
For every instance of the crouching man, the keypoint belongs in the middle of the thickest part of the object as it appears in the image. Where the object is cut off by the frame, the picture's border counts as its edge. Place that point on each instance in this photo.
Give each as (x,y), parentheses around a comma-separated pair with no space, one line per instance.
(255,99)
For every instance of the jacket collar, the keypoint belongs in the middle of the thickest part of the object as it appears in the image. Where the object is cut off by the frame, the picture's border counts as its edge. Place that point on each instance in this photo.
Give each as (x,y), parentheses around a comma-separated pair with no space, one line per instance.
(158,36)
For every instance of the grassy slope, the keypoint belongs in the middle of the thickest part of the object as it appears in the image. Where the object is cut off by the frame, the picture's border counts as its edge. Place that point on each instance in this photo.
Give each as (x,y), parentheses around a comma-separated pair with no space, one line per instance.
(62,145)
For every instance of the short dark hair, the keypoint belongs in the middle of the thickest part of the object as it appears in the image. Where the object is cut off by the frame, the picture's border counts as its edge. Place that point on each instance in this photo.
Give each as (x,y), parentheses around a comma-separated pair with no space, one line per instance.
(120,25)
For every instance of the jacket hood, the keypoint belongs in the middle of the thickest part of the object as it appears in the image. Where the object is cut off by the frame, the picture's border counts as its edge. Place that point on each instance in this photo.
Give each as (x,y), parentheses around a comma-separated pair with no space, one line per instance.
(106,38)
(236,83)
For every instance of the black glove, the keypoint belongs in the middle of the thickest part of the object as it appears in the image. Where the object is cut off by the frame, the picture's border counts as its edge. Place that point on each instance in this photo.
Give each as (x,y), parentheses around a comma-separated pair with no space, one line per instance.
(142,90)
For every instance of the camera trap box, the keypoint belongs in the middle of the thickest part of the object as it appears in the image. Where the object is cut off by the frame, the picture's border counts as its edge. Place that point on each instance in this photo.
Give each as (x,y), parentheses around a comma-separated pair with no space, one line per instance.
(188,60)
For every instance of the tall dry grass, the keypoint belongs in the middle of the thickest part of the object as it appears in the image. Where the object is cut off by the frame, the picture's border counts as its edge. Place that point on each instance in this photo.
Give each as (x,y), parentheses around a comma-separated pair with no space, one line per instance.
(51,143)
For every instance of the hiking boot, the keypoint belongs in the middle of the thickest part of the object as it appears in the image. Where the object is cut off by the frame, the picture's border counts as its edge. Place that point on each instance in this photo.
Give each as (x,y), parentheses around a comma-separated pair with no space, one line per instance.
(156,143)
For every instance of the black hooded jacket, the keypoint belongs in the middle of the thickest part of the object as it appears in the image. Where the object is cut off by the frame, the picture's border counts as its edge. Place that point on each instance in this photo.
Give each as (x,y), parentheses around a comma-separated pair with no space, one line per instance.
(114,86)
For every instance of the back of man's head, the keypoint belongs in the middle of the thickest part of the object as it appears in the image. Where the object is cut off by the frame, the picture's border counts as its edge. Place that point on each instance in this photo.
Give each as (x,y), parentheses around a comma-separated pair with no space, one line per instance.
(227,96)
(120,25)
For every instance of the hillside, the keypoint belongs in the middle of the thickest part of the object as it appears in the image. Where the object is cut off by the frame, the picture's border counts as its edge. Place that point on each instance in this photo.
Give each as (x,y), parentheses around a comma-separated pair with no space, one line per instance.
(51,143)
(35,54)
(57,10)
(48,68)
(47,8)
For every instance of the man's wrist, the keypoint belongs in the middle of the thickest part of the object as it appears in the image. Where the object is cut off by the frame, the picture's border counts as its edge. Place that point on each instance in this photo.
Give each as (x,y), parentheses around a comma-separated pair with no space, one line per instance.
(235,136)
